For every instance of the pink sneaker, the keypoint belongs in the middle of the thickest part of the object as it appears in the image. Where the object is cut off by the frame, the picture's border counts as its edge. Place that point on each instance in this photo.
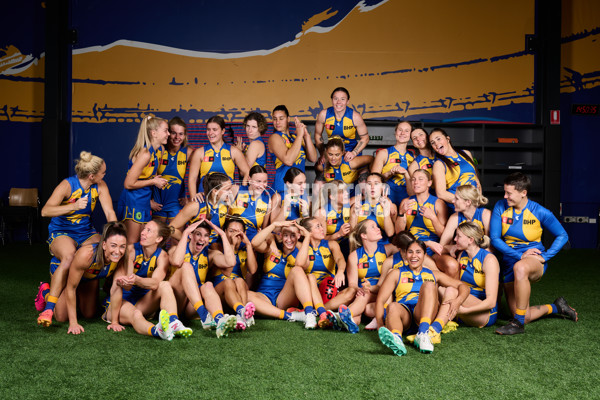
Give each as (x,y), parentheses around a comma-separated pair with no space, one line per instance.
(371,326)
(249,310)
(40,301)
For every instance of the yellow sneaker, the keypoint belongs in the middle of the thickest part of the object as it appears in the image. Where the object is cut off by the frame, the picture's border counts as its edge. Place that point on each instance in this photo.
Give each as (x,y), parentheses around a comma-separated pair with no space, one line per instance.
(410,338)
(451,326)
(435,337)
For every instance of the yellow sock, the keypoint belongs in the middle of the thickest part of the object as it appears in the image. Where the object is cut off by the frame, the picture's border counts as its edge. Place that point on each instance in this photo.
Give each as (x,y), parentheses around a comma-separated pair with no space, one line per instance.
(198,304)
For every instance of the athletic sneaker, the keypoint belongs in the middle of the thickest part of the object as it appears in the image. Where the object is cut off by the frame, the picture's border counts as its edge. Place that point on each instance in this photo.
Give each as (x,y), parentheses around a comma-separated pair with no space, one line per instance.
(347,320)
(325,320)
(226,324)
(180,330)
(423,343)
(450,326)
(162,327)
(336,322)
(394,342)
(249,310)
(40,301)
(311,320)
(45,318)
(565,310)
(371,326)
(209,323)
(513,327)
(297,316)
(240,322)
(435,337)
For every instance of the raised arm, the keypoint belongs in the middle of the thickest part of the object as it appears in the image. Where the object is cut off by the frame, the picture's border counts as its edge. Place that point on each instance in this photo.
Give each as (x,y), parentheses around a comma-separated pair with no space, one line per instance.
(287,156)
(319,125)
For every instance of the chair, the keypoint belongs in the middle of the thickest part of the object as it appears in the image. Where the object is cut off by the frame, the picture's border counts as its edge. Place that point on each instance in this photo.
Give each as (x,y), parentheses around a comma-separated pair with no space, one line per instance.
(23,205)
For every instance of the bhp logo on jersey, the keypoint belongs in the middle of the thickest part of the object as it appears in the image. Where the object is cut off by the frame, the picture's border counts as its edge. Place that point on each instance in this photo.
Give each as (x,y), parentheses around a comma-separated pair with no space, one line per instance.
(529,221)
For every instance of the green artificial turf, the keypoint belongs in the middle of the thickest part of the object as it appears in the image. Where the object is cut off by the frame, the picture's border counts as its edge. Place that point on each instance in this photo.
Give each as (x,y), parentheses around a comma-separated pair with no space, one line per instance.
(554,359)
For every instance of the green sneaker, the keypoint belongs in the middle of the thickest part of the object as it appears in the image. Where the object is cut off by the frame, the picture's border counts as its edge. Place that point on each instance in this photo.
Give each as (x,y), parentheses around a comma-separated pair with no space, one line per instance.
(394,342)
(226,324)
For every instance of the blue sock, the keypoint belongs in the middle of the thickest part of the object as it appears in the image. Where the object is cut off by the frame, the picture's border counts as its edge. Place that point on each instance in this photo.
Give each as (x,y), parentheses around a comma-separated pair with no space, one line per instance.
(437,326)
(424,325)
(154,332)
(286,315)
(217,317)
(201,310)
(239,308)
(520,316)
(172,318)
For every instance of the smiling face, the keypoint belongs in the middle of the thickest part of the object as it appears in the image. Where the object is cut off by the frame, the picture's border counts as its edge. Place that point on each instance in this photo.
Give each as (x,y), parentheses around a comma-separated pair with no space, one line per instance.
(339,101)
(462,241)
(281,121)
(415,256)
(176,136)
(149,234)
(419,138)
(258,181)
(114,248)
(162,133)
(514,197)
(334,156)
(199,239)
(440,143)
(289,238)
(403,132)
(214,133)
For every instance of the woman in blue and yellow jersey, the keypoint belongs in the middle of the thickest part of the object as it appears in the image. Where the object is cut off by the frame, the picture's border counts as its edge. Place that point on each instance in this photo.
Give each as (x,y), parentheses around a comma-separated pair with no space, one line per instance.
(415,298)
(468,204)
(169,200)
(295,203)
(366,259)
(375,205)
(480,270)
(71,206)
(255,151)
(516,229)
(335,167)
(323,262)
(334,211)
(424,155)
(144,289)
(134,204)
(284,282)
(195,293)
(452,169)
(339,120)
(253,203)
(218,196)
(423,214)
(290,149)
(393,164)
(90,264)
(231,282)
(216,156)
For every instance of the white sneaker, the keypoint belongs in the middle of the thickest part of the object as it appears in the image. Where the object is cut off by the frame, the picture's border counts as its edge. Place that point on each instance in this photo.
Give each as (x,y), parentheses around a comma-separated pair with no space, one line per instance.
(240,322)
(311,320)
(164,330)
(298,316)
(423,343)
(249,310)
(179,329)
(209,323)
(226,325)
(371,326)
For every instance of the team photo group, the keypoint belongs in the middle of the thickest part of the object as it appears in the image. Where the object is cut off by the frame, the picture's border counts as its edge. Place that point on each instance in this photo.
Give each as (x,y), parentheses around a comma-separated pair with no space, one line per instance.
(402,241)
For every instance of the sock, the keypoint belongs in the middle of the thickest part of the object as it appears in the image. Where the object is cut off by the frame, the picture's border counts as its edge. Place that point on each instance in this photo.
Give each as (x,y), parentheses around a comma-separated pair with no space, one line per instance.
(284,315)
(201,310)
(239,308)
(320,308)
(217,315)
(308,307)
(424,325)
(46,293)
(172,318)
(552,309)
(152,331)
(51,303)
(397,333)
(437,325)
(520,316)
